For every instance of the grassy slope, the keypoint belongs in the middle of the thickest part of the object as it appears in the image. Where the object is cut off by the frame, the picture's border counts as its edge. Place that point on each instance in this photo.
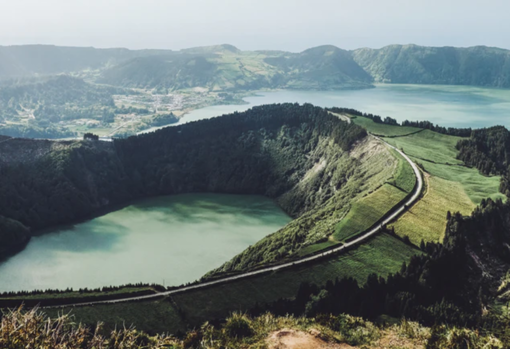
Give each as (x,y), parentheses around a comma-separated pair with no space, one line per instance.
(451,185)
(427,219)
(367,211)
(158,316)
(383,254)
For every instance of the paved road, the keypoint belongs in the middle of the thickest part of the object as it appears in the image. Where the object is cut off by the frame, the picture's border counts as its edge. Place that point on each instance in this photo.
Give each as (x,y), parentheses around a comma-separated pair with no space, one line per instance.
(374,230)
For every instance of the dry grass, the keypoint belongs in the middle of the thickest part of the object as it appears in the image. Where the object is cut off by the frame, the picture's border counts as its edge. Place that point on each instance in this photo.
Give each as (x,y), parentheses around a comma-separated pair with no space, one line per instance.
(33,329)
(427,218)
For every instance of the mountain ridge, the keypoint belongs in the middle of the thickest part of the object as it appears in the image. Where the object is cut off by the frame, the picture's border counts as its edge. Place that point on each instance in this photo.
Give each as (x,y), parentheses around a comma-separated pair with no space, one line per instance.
(229,68)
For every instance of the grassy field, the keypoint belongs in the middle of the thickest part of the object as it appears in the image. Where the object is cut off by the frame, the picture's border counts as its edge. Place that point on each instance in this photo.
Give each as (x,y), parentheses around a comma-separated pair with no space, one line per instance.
(451,185)
(437,154)
(159,316)
(428,145)
(427,218)
(367,211)
(404,177)
(383,129)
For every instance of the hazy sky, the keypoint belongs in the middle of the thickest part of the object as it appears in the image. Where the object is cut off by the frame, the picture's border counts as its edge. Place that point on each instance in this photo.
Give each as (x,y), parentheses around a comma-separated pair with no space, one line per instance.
(292,25)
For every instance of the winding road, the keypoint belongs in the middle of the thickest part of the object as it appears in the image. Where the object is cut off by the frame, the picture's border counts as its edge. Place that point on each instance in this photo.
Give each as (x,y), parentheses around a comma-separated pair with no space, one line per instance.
(394,213)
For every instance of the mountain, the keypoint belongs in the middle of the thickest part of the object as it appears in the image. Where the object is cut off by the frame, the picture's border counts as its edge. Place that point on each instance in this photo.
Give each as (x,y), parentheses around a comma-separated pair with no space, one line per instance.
(323,67)
(32,60)
(411,64)
(225,67)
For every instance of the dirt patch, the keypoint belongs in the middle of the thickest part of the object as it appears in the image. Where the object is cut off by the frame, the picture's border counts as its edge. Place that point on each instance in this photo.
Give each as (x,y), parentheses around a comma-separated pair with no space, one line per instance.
(368,147)
(292,339)
(392,340)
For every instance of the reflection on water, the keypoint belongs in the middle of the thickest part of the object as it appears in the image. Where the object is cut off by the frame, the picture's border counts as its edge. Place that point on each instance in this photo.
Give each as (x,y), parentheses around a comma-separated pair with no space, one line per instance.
(169,240)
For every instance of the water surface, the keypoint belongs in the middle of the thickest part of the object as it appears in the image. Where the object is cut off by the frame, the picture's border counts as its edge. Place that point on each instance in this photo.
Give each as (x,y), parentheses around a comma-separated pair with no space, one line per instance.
(165,240)
(455,106)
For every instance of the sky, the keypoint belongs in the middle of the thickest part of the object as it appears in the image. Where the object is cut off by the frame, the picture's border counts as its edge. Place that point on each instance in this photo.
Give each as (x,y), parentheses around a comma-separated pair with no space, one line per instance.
(290,25)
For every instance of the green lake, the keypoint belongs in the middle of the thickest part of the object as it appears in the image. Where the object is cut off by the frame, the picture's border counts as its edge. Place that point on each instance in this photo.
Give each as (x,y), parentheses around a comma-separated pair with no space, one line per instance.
(165,240)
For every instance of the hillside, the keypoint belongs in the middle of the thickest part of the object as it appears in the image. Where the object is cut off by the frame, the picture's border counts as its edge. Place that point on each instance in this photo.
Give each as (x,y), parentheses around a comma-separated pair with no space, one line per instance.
(227,68)
(323,67)
(34,60)
(412,64)
(267,150)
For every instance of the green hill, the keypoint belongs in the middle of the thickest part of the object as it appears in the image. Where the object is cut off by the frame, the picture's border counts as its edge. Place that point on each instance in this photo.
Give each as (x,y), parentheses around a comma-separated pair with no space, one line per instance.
(412,64)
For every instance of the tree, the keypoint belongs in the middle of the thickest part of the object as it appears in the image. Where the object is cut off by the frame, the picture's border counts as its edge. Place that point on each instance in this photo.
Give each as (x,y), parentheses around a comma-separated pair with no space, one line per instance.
(90,136)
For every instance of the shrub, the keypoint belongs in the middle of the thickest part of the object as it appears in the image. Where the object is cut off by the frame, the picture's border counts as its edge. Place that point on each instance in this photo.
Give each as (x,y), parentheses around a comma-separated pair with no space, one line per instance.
(238,326)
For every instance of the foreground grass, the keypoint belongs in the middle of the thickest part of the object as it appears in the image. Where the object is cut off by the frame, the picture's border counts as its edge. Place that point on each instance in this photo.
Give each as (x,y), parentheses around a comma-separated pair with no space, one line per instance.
(34,329)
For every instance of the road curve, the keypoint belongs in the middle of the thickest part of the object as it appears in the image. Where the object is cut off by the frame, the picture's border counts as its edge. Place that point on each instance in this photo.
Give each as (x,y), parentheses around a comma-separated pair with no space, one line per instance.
(375,229)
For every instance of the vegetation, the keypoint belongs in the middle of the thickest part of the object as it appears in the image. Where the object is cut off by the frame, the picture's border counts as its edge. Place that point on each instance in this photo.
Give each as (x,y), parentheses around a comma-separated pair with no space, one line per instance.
(448,285)
(368,211)
(451,185)
(28,329)
(426,220)
(266,150)
(412,64)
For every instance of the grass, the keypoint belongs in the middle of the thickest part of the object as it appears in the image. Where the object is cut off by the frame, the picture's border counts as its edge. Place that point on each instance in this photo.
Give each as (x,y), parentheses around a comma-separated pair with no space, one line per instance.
(128,291)
(428,145)
(383,254)
(315,247)
(367,211)
(437,154)
(158,316)
(426,220)
(451,185)
(404,177)
(474,184)
(383,129)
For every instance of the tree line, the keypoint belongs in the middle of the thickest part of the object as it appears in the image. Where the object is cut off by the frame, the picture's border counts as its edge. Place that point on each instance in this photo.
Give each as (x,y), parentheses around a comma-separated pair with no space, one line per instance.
(460,132)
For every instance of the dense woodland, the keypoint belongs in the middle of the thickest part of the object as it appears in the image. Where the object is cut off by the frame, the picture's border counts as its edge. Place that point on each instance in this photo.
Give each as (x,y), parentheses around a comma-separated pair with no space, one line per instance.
(488,150)
(412,64)
(262,151)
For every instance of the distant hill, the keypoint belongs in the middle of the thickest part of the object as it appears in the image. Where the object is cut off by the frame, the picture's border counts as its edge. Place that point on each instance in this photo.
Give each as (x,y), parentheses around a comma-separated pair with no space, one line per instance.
(322,67)
(225,67)
(31,60)
(477,66)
